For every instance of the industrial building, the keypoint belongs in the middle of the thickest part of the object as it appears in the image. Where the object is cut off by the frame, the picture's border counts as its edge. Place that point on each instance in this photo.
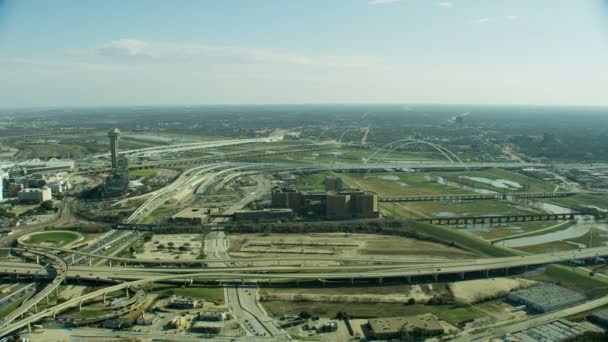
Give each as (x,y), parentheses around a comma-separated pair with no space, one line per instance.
(117,183)
(411,326)
(281,214)
(560,330)
(211,316)
(40,166)
(346,204)
(546,297)
(184,303)
(600,317)
(194,216)
(205,327)
(35,195)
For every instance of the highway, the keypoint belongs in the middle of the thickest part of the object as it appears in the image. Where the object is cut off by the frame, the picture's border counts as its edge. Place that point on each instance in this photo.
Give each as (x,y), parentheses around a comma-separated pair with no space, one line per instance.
(222,273)
(59,271)
(223,276)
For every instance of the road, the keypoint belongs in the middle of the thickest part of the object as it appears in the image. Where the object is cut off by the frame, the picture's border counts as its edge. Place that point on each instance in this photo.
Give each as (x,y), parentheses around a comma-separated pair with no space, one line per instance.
(243,301)
(502,330)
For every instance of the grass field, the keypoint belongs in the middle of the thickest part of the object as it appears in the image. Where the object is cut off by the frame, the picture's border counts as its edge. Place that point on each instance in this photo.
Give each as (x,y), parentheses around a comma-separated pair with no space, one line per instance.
(450,313)
(576,279)
(157,215)
(528,228)
(597,240)
(528,184)
(142,173)
(399,184)
(467,208)
(580,201)
(210,294)
(59,238)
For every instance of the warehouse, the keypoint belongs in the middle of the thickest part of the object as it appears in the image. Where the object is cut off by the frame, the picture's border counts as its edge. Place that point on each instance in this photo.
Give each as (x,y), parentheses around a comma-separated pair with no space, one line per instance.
(414,326)
(546,297)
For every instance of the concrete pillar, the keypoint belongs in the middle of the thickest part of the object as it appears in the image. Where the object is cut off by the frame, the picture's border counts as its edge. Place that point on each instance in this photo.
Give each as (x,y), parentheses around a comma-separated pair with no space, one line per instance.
(462,275)
(47,300)
(36,307)
(90,262)
(80,306)
(104,298)
(127,291)
(110,262)
(352,281)
(38,259)
(380,281)
(487,273)
(507,271)
(57,292)
(72,258)
(409,279)
(436,276)
(29,328)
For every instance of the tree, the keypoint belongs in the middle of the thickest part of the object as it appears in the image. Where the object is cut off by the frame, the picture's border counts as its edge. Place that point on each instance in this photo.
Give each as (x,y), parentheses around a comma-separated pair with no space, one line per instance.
(304,315)
(161,246)
(47,205)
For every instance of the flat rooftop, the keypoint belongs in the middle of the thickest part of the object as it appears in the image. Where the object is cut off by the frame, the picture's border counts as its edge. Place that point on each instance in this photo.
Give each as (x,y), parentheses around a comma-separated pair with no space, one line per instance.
(392,325)
(548,295)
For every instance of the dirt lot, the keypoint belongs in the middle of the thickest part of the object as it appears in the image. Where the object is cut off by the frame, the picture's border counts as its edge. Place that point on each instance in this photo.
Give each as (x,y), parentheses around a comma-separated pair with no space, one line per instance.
(385,294)
(473,291)
(172,246)
(339,244)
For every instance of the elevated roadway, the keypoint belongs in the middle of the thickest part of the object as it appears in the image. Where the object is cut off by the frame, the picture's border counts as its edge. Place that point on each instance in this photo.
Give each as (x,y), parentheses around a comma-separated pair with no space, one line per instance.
(465,266)
(59,271)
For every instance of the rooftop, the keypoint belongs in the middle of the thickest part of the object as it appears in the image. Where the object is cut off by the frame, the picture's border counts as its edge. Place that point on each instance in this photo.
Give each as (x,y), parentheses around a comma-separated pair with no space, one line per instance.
(392,325)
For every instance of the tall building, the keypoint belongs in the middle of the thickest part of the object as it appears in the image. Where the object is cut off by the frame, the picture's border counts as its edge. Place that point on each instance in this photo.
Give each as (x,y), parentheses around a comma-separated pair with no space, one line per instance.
(333,183)
(35,195)
(118,182)
(114,134)
(3,176)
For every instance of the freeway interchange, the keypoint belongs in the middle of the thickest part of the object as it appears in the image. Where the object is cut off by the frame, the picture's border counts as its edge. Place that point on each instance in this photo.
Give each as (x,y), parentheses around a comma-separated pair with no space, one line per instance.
(239,277)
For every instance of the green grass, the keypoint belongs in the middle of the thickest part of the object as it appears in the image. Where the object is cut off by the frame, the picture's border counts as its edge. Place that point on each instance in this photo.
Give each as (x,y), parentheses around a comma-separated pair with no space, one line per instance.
(578,280)
(580,201)
(450,313)
(408,184)
(459,238)
(529,228)
(470,208)
(58,238)
(528,184)
(142,173)
(210,294)
(157,215)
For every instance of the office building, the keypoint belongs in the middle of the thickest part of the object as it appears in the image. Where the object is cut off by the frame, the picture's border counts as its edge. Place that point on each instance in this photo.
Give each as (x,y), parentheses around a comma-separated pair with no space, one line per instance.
(35,195)
(333,183)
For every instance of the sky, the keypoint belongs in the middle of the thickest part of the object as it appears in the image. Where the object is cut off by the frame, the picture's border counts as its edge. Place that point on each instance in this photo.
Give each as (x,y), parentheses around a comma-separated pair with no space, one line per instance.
(56,53)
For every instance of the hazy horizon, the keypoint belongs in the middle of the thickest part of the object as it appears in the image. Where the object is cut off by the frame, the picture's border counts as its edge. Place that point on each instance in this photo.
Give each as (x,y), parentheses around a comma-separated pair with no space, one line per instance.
(71,53)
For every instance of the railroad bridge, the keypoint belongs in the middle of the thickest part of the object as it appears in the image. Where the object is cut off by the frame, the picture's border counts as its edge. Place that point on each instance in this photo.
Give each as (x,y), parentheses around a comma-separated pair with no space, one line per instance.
(476,197)
(509,218)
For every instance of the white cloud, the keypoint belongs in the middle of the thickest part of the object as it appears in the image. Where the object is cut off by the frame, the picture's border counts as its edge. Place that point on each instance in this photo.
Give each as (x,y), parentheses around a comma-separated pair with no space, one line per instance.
(130,49)
(481,20)
(445,4)
(512,17)
(382,2)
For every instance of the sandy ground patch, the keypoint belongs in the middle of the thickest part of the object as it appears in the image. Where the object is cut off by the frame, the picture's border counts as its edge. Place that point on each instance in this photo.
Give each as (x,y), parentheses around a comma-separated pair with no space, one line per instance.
(193,244)
(419,293)
(473,291)
(339,244)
